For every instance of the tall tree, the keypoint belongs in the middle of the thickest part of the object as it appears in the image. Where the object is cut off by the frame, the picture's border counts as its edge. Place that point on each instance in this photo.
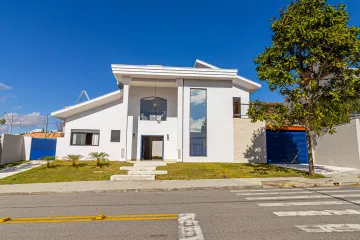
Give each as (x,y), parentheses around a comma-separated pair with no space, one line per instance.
(313,62)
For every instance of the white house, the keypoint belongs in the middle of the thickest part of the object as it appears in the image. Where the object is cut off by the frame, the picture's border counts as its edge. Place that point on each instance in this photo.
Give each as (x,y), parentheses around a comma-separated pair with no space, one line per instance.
(183,114)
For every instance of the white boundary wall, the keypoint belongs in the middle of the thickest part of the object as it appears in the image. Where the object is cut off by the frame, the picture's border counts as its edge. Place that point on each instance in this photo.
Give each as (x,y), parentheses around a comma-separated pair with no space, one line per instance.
(342,148)
(14,148)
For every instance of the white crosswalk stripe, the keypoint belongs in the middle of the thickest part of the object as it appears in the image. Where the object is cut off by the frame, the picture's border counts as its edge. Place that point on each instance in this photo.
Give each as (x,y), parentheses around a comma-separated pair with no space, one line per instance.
(273,193)
(318,213)
(268,190)
(327,228)
(339,191)
(315,199)
(289,204)
(303,197)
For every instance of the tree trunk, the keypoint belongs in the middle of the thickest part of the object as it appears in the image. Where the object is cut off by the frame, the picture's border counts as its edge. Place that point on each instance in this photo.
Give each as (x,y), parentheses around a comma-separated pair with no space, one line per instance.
(310,152)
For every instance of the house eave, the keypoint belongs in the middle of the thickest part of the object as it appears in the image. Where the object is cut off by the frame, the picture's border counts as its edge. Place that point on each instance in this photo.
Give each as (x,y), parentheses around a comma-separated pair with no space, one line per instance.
(159,72)
(85,106)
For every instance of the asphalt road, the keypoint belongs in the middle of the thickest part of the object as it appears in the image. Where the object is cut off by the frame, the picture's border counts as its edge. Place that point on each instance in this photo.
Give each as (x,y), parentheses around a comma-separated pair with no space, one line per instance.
(219,214)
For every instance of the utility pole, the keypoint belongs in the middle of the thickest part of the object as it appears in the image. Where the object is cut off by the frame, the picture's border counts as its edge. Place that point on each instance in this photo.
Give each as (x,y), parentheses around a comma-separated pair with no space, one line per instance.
(46,123)
(12,119)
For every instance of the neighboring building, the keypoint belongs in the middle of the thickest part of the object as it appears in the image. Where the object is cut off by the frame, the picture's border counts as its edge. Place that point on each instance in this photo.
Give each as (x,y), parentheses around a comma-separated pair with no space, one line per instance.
(42,134)
(180,113)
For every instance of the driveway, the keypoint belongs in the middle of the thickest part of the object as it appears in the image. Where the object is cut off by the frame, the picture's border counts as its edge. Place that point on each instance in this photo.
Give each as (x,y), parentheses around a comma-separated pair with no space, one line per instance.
(320,169)
(6,172)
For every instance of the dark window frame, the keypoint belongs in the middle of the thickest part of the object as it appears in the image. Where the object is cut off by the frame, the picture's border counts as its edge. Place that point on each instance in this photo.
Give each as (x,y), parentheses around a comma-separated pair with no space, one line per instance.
(163,118)
(206,127)
(111,136)
(236,100)
(84,131)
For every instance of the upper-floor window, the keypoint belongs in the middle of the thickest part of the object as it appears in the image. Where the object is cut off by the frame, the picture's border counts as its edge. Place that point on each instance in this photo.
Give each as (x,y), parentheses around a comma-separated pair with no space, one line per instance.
(85,137)
(153,109)
(236,107)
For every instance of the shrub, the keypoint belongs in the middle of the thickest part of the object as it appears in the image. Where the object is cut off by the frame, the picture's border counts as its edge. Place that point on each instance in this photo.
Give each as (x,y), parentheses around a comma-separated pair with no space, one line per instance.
(48,159)
(99,156)
(74,158)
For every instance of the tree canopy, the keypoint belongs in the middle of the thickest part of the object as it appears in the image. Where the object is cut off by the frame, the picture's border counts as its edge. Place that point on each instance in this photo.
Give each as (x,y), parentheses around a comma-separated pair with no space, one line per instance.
(313,62)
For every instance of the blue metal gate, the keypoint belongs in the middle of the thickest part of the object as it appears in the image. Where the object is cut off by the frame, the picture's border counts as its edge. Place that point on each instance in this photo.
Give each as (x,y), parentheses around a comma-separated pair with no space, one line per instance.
(286,147)
(41,147)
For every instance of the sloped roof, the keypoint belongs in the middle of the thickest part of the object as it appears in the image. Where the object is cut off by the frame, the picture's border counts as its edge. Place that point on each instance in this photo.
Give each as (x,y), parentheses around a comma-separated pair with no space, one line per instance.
(241,81)
(82,107)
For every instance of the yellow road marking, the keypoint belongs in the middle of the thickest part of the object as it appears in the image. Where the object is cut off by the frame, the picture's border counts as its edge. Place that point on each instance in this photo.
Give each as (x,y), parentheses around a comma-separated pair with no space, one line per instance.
(100,217)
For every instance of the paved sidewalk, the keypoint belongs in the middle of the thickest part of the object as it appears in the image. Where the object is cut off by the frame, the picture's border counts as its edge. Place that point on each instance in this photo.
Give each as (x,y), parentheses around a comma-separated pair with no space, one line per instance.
(320,169)
(167,185)
(6,172)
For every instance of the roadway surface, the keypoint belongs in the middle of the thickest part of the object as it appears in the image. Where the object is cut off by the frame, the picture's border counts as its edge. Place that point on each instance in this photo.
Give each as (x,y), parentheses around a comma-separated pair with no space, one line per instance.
(322,213)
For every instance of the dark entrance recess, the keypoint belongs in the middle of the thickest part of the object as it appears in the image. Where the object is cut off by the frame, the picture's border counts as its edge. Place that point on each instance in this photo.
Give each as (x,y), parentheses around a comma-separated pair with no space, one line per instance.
(152,147)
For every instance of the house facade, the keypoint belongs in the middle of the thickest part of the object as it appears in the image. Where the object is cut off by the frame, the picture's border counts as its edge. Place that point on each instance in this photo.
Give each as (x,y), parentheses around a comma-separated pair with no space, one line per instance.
(183,114)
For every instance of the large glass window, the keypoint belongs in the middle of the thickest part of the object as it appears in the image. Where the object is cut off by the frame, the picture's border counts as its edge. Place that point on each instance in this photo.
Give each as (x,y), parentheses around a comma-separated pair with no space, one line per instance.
(153,109)
(198,114)
(85,137)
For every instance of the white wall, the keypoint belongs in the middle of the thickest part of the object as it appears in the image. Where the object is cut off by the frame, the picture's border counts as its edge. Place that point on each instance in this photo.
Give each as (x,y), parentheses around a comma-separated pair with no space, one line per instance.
(341,148)
(144,127)
(220,139)
(105,118)
(14,148)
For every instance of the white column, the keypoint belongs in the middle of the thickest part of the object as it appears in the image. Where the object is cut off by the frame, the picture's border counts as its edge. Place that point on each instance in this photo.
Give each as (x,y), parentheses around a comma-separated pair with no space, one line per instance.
(180,110)
(125,136)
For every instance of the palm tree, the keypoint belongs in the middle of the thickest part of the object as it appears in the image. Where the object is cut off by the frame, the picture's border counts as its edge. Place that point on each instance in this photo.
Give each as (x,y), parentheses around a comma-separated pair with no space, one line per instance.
(99,156)
(73,158)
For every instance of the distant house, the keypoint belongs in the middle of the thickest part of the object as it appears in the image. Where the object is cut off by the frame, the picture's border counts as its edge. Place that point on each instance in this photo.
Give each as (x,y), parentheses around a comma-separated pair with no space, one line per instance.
(42,134)
(184,114)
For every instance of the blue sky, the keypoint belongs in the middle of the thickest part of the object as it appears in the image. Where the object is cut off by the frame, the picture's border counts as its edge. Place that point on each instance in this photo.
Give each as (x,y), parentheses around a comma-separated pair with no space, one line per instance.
(50,51)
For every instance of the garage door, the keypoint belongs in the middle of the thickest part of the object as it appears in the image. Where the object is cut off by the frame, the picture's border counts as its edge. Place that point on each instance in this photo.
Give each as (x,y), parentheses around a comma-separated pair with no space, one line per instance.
(286,147)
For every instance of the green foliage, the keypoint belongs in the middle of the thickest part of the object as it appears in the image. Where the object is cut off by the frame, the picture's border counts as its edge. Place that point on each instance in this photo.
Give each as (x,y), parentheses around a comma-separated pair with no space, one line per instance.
(2,121)
(99,156)
(74,158)
(48,159)
(313,62)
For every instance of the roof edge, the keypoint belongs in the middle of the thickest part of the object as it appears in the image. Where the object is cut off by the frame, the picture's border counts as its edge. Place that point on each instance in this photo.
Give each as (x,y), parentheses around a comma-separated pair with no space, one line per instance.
(92,101)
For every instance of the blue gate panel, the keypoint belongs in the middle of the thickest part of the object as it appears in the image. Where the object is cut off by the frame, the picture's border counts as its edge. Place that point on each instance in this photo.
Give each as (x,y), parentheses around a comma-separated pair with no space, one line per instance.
(41,147)
(286,147)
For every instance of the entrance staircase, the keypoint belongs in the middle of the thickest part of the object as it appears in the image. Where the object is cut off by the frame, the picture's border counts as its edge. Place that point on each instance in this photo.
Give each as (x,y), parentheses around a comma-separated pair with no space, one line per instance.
(140,171)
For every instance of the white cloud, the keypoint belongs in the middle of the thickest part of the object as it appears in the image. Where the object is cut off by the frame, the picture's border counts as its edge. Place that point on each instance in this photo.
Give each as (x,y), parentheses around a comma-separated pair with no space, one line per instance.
(6,97)
(195,125)
(17,107)
(3,86)
(198,97)
(31,119)
(3,129)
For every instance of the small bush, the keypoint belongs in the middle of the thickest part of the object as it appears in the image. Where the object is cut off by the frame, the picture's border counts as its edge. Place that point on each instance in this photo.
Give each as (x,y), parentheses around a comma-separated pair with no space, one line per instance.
(74,158)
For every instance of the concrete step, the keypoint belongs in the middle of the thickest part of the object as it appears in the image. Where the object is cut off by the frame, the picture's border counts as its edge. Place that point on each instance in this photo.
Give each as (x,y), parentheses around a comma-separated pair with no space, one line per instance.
(149,164)
(156,172)
(139,168)
(132,177)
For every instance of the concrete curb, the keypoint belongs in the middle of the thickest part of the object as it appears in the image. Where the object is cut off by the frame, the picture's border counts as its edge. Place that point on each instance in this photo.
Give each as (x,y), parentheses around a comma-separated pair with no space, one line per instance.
(264,185)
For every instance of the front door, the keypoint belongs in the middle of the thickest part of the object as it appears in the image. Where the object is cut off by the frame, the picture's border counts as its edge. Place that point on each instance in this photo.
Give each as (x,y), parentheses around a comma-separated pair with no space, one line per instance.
(152,147)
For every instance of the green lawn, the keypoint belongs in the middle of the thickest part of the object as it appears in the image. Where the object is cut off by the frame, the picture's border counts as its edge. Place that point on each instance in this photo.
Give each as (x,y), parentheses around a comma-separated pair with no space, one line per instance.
(62,171)
(12,164)
(187,171)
